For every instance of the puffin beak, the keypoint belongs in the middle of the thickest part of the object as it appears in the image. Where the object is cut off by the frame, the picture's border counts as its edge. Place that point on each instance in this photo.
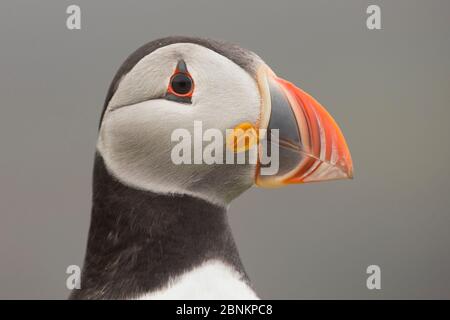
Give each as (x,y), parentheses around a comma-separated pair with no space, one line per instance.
(310,145)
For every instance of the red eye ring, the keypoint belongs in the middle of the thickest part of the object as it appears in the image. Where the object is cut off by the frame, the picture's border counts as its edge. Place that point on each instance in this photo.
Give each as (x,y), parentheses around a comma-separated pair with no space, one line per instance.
(181,85)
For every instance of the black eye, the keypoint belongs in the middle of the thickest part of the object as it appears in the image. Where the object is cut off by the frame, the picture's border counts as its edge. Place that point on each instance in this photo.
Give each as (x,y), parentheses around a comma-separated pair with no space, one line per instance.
(181,84)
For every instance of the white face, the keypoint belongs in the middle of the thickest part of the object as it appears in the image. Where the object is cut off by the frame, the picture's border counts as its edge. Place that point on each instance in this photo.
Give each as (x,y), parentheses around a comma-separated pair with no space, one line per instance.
(135,134)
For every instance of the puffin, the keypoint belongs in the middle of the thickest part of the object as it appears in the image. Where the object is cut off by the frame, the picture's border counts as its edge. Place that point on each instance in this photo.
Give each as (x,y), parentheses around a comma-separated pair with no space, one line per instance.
(159,229)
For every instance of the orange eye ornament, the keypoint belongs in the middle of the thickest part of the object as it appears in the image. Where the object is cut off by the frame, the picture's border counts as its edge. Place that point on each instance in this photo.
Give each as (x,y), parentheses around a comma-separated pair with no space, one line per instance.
(181,84)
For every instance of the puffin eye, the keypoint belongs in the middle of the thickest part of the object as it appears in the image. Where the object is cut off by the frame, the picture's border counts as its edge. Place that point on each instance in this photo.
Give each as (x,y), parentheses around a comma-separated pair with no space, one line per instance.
(181,84)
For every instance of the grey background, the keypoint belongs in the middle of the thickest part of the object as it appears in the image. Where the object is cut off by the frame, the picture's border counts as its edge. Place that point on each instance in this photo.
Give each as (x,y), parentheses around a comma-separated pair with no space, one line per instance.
(388,90)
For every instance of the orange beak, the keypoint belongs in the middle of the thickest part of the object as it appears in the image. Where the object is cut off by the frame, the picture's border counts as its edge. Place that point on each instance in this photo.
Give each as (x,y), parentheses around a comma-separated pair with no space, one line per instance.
(310,145)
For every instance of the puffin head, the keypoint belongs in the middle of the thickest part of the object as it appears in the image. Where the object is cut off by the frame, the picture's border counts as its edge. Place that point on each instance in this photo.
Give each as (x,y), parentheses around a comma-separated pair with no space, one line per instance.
(182,98)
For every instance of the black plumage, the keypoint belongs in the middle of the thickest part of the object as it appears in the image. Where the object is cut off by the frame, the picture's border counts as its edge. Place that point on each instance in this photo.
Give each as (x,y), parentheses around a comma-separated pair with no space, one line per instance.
(138,239)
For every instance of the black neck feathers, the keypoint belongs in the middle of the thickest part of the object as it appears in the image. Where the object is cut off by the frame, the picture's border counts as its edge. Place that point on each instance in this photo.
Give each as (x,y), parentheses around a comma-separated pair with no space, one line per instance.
(139,239)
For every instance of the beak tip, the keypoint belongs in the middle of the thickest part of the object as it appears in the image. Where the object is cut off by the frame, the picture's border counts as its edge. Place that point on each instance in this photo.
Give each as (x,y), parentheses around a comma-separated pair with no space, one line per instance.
(351,174)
